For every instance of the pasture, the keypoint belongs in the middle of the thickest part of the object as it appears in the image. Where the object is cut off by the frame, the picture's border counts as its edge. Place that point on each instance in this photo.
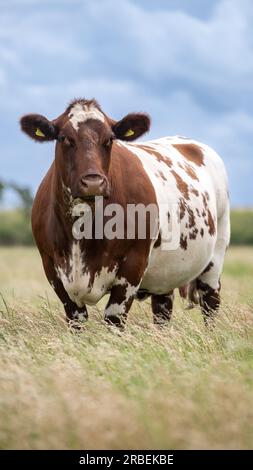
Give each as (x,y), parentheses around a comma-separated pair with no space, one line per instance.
(180,387)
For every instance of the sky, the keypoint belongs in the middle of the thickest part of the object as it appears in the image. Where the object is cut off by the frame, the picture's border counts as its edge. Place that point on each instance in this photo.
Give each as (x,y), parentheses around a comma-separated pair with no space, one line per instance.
(189,64)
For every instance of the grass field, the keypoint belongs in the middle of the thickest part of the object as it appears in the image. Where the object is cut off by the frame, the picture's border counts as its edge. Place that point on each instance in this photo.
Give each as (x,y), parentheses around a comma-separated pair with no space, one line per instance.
(183,387)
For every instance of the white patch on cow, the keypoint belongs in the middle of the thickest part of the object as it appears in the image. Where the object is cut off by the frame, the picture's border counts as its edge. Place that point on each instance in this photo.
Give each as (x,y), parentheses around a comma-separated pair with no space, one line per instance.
(83,112)
(80,316)
(66,189)
(77,280)
(130,289)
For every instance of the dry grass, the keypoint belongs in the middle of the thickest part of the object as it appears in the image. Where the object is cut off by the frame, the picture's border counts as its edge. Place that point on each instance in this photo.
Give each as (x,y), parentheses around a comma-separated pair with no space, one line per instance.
(183,387)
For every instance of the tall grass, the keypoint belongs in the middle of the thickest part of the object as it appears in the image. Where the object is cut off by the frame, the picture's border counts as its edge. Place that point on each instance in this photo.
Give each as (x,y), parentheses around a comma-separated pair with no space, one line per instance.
(180,387)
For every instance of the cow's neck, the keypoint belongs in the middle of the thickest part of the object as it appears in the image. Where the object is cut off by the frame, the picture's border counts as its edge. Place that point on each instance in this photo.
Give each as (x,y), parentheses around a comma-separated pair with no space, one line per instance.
(62,200)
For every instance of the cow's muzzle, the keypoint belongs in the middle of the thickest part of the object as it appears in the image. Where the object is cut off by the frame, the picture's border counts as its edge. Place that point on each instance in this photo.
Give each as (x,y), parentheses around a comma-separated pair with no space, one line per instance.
(92,185)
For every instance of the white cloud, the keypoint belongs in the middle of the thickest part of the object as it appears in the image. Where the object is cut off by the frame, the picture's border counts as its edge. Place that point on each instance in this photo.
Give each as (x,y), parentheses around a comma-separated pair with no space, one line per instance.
(192,74)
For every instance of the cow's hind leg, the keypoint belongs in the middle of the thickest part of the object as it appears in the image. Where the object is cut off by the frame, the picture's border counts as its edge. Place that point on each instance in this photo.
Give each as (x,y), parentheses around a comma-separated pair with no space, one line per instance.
(208,283)
(162,306)
(209,299)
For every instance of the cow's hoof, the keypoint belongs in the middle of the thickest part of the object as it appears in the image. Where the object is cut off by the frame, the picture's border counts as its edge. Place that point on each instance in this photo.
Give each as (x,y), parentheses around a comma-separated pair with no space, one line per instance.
(80,317)
(112,320)
(77,321)
(74,326)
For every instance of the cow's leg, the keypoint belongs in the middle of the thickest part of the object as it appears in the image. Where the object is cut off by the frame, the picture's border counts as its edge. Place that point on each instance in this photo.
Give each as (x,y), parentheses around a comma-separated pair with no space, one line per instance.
(119,304)
(74,314)
(162,306)
(125,288)
(208,283)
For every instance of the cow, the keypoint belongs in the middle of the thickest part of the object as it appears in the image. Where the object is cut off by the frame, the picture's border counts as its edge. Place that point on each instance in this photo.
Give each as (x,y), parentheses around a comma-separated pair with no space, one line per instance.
(186,181)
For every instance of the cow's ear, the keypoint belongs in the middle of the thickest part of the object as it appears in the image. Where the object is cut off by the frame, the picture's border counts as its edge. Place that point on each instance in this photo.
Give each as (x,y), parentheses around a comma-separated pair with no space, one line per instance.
(38,127)
(131,126)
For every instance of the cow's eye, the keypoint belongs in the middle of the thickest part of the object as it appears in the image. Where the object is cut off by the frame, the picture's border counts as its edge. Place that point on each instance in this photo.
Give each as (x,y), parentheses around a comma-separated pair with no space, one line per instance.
(66,140)
(107,144)
(61,138)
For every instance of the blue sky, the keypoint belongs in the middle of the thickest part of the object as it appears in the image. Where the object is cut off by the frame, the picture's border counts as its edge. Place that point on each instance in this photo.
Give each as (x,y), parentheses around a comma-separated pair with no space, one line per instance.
(189,64)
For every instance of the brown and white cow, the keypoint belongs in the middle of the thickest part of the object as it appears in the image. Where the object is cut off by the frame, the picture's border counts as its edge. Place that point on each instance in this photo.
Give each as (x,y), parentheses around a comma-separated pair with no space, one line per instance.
(93,157)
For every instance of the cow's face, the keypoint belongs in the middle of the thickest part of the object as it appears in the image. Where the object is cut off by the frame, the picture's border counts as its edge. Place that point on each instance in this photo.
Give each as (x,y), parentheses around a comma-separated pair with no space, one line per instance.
(84,137)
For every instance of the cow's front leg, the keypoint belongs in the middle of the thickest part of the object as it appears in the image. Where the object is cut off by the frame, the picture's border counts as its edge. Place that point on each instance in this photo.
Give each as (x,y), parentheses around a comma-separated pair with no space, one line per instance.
(126,285)
(120,301)
(74,315)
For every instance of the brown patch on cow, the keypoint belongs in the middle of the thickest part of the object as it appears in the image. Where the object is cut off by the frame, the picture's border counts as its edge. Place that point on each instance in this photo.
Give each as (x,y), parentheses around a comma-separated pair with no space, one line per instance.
(204,197)
(192,152)
(202,232)
(181,185)
(191,217)
(183,241)
(158,241)
(194,191)
(210,223)
(190,171)
(193,234)
(182,208)
(159,157)
(160,173)
(209,266)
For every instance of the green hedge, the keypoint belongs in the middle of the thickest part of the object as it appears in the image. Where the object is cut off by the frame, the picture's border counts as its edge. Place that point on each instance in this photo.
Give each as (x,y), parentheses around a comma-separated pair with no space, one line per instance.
(242,227)
(15,228)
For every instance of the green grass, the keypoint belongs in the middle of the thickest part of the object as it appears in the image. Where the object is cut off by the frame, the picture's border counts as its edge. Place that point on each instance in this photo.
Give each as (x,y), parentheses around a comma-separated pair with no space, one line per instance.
(182,387)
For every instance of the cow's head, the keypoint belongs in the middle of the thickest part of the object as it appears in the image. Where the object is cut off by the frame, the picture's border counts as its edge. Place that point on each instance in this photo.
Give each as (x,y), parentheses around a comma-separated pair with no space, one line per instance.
(84,136)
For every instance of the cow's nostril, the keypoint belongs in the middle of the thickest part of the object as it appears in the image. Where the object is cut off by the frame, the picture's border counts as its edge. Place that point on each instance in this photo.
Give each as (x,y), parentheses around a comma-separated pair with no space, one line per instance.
(83,181)
(90,180)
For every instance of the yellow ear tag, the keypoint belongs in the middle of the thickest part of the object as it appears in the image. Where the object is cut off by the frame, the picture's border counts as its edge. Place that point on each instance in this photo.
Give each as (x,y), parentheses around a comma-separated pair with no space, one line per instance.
(129,133)
(39,133)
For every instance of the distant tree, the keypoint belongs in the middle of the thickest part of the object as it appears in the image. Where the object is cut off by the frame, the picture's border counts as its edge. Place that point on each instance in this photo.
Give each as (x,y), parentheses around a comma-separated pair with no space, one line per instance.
(23,192)
(2,187)
(25,197)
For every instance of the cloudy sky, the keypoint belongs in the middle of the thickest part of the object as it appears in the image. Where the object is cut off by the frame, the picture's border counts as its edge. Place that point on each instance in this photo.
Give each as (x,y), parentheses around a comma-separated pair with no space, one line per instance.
(189,64)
